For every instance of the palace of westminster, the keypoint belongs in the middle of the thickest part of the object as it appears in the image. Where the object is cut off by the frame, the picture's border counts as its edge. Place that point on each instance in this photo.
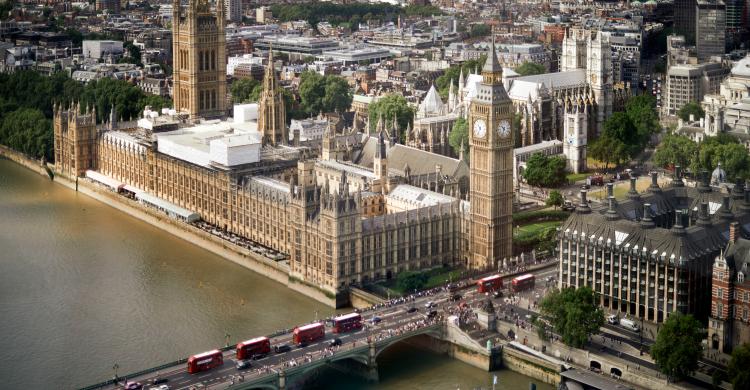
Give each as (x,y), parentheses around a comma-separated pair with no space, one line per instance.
(343,215)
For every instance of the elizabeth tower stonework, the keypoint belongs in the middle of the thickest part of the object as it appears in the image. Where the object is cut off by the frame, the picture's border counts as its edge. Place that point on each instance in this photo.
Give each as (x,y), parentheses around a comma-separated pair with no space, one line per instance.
(491,168)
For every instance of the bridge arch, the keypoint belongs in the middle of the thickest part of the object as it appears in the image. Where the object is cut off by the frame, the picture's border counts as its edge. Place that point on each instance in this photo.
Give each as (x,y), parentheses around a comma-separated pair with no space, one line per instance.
(380,348)
(595,365)
(615,372)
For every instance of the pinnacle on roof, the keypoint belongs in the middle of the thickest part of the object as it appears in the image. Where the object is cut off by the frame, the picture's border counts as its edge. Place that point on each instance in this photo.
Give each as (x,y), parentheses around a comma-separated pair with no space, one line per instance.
(492,65)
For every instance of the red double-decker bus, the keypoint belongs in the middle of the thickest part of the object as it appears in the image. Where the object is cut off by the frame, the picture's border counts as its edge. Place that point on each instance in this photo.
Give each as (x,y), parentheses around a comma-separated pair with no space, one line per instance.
(490,283)
(523,282)
(347,322)
(249,348)
(204,361)
(309,333)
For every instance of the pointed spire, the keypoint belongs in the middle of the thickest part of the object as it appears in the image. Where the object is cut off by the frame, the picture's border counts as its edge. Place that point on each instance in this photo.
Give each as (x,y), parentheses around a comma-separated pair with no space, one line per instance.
(461,155)
(492,65)
(461,81)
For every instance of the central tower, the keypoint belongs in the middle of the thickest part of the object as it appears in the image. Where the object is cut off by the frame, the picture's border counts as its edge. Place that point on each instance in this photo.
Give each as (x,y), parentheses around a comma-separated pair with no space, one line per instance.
(272,108)
(199,59)
(491,168)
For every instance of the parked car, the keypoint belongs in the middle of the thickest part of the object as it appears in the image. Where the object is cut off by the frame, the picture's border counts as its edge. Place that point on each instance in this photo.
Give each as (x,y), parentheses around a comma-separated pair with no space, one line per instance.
(612,319)
(243,364)
(568,206)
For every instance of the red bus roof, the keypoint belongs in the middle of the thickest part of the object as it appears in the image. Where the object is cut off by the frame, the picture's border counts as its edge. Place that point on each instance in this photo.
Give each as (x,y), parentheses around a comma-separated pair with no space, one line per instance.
(523,277)
(489,278)
(310,326)
(347,316)
(255,340)
(206,354)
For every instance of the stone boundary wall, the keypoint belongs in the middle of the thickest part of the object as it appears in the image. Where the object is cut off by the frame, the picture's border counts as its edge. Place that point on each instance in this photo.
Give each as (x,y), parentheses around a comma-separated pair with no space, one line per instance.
(531,366)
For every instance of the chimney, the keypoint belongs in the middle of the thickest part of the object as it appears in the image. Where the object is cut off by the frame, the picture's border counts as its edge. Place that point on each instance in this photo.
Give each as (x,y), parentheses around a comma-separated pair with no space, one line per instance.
(703,218)
(733,231)
(611,212)
(583,208)
(726,211)
(677,178)
(633,193)
(654,187)
(646,221)
(678,228)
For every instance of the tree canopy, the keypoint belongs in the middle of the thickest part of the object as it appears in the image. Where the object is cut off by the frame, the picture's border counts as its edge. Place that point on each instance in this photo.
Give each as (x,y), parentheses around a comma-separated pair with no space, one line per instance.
(691,108)
(459,136)
(545,171)
(626,134)
(409,281)
(573,313)
(26,105)
(479,30)
(738,370)
(324,93)
(390,106)
(530,68)
(353,13)
(675,150)
(726,150)
(243,90)
(555,199)
(678,345)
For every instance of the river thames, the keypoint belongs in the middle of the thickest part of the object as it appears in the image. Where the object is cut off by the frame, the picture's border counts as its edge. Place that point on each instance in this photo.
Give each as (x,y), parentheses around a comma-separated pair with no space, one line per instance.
(84,287)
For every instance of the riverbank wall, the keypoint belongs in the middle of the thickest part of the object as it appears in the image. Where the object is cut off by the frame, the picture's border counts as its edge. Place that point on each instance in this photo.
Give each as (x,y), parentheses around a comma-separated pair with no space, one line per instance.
(274,270)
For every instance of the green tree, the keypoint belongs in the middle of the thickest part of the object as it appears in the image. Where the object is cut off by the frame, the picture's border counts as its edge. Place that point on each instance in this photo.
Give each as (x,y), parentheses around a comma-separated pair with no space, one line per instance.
(641,110)
(388,107)
(28,131)
(324,93)
(555,199)
(242,90)
(479,30)
(6,9)
(678,345)
(738,371)
(409,281)
(675,149)
(691,108)
(573,313)
(722,149)
(459,136)
(608,149)
(545,171)
(530,68)
(134,54)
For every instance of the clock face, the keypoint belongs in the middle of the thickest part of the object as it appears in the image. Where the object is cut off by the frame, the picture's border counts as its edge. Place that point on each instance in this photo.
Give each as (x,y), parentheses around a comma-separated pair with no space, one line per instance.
(503,128)
(480,128)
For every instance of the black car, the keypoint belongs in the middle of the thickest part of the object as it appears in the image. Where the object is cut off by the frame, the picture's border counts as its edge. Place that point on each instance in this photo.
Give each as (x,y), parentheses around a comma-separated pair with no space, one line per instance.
(243,365)
(498,294)
(411,309)
(432,314)
(158,381)
(335,342)
(282,348)
(302,345)
(258,356)
(457,297)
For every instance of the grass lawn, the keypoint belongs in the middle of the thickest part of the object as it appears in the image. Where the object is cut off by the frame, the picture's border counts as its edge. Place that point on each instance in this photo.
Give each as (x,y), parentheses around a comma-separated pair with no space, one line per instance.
(535,228)
(574,177)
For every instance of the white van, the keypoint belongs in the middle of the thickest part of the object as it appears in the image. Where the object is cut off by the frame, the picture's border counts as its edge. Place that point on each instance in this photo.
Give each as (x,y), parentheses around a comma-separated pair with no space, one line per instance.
(628,324)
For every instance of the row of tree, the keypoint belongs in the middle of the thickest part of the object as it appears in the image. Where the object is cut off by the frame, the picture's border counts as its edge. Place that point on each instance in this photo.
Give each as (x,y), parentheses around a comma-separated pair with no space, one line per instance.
(706,155)
(27,97)
(350,14)
(575,315)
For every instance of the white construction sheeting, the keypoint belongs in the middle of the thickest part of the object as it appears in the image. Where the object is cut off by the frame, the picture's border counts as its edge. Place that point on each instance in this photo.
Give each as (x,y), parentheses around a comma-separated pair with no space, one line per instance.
(106,180)
(171,209)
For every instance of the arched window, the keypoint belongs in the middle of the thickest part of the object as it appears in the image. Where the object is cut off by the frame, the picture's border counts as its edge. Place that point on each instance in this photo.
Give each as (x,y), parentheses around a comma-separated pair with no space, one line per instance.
(213,59)
(200,60)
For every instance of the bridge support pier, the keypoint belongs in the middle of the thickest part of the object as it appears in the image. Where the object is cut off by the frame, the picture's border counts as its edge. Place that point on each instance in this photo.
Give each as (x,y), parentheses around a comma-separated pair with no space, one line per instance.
(372,363)
(282,380)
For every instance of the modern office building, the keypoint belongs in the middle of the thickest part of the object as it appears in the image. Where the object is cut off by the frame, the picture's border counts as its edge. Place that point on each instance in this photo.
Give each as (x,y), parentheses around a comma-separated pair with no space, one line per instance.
(710,28)
(652,254)
(684,19)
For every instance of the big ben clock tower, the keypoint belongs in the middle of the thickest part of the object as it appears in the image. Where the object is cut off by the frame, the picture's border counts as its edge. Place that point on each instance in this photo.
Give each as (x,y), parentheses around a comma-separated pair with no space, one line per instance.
(491,168)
